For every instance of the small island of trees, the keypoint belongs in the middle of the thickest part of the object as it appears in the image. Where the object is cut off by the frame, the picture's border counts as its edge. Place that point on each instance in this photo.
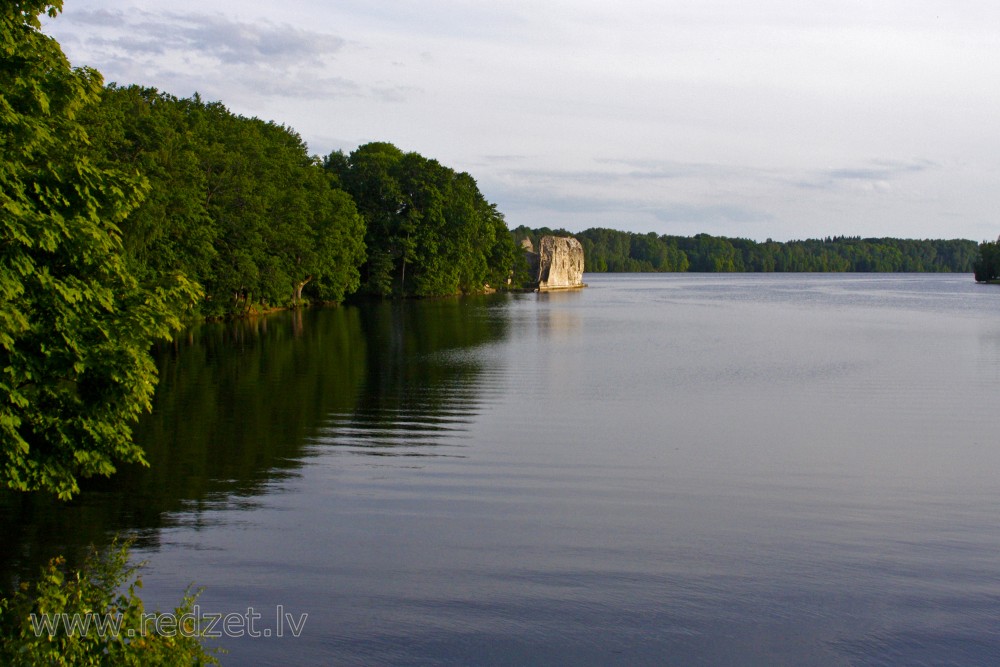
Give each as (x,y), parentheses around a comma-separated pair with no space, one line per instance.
(987,267)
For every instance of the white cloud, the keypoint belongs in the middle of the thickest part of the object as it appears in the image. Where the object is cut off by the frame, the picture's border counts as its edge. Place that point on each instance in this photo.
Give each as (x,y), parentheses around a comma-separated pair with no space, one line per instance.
(774,118)
(214,36)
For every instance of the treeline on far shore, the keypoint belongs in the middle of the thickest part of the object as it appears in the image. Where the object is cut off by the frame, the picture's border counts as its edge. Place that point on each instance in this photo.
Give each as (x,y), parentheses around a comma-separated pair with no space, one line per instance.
(613,251)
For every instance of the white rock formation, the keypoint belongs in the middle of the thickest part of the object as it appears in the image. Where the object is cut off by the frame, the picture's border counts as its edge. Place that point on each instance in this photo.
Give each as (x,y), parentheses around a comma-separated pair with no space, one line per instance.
(560,263)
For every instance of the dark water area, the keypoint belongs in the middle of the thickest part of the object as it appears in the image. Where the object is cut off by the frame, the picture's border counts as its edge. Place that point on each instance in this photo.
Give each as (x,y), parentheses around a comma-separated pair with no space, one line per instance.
(659,469)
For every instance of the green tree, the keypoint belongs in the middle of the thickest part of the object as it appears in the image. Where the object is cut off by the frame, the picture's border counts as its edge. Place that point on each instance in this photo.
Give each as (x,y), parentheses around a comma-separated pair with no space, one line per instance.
(616,251)
(329,263)
(235,203)
(150,132)
(102,597)
(430,231)
(987,267)
(368,175)
(75,324)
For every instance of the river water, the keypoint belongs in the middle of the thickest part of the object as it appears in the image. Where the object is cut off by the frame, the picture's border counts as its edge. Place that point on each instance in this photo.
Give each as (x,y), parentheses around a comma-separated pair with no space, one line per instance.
(682,469)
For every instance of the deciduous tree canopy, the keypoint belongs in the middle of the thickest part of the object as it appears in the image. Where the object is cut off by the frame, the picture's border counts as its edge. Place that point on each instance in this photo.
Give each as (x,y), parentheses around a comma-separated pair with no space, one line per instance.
(987,268)
(430,230)
(75,323)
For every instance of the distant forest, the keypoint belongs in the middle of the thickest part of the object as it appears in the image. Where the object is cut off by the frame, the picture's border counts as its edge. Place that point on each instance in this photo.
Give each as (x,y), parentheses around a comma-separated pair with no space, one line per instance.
(612,251)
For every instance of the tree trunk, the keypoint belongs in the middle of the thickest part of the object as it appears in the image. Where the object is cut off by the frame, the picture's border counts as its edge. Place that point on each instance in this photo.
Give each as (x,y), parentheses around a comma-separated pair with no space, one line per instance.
(297,295)
(402,280)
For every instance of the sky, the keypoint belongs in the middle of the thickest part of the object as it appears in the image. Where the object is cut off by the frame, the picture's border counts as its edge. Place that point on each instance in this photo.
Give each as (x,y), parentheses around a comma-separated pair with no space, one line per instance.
(773,119)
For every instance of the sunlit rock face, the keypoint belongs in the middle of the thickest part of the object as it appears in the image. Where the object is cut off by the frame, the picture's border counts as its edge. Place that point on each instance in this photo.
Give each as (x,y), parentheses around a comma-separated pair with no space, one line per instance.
(560,263)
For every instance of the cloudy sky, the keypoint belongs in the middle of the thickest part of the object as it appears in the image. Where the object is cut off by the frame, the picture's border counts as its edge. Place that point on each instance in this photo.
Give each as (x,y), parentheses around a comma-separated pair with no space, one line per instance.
(772,118)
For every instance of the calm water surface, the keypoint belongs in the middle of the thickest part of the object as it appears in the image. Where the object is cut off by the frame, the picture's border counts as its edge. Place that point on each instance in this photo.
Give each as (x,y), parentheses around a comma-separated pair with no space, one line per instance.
(680,469)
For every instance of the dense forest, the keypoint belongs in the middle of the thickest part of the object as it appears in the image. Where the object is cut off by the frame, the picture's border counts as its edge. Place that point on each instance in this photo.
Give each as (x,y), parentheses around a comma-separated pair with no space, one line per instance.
(429,230)
(239,207)
(608,250)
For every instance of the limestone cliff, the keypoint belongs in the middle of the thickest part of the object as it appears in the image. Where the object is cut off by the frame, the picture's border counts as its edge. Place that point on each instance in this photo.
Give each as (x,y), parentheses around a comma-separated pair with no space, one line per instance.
(558,264)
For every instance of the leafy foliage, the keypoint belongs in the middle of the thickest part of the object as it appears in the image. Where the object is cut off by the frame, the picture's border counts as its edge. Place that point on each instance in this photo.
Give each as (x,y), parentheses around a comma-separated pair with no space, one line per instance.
(75,324)
(987,267)
(430,230)
(103,596)
(237,203)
